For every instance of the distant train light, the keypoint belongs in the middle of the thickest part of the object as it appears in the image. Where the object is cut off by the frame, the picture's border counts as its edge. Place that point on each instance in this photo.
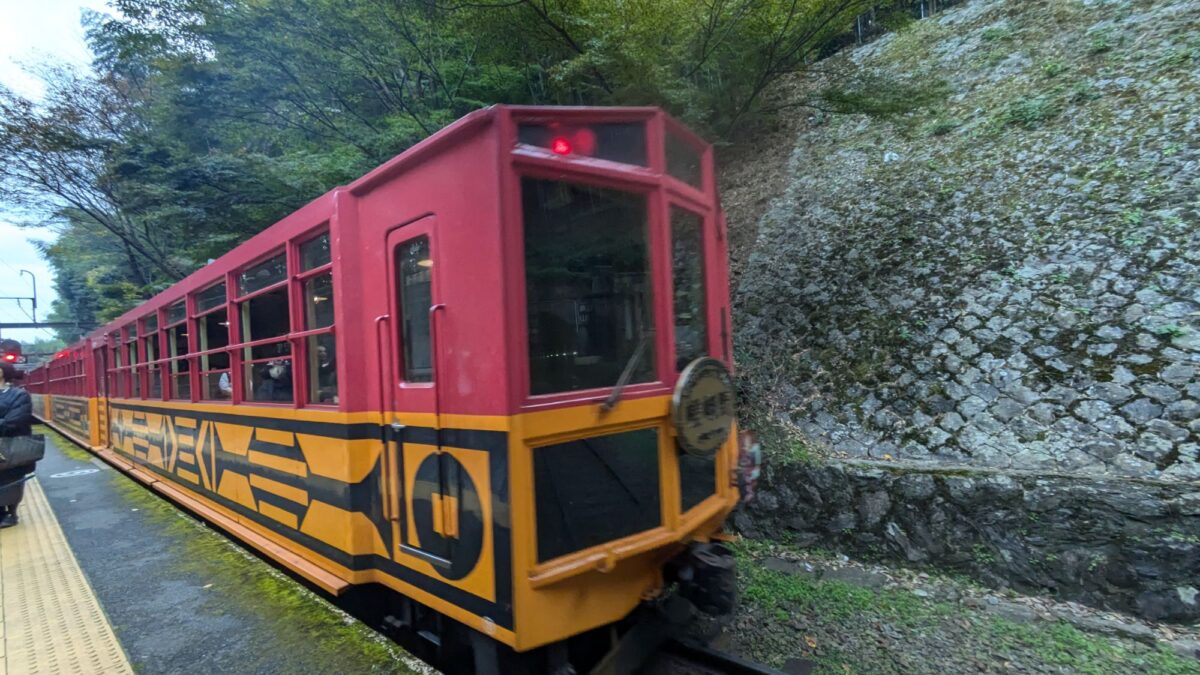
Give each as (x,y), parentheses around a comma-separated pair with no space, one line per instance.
(560,146)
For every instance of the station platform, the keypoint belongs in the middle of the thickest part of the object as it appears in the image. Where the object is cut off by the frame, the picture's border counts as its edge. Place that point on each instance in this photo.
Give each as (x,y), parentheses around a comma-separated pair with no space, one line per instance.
(103,576)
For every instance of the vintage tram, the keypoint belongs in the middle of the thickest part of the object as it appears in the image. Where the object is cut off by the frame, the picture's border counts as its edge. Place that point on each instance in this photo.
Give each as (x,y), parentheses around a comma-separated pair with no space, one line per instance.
(460,378)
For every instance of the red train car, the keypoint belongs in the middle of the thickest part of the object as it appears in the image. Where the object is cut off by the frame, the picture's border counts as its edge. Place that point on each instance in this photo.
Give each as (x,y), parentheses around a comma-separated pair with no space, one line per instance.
(465,377)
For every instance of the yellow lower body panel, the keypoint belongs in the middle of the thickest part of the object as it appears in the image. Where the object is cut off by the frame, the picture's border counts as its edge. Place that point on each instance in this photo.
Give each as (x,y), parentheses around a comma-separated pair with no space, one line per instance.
(52,622)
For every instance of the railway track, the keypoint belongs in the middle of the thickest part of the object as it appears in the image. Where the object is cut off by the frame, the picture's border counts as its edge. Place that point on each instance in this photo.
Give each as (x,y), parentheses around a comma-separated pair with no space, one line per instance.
(676,657)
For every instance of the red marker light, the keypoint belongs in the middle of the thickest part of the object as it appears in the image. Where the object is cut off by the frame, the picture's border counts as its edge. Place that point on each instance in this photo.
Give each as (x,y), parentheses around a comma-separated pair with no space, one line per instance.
(560,146)
(585,142)
(10,357)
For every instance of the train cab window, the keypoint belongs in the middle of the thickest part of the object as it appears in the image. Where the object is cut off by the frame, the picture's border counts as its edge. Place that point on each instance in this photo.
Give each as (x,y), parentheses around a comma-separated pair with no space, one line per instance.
(587,285)
(683,161)
(414,264)
(177,349)
(268,367)
(687,268)
(151,355)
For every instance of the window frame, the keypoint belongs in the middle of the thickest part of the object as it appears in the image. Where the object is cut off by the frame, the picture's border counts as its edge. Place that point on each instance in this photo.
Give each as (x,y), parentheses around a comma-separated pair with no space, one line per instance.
(130,338)
(297,340)
(151,339)
(196,355)
(708,247)
(169,392)
(301,359)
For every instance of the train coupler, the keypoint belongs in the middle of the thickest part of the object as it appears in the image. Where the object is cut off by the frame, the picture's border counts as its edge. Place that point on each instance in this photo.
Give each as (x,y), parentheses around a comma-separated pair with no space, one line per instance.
(707,577)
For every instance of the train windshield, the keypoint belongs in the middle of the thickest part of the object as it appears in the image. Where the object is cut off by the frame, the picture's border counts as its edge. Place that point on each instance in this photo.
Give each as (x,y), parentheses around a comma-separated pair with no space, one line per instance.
(587,278)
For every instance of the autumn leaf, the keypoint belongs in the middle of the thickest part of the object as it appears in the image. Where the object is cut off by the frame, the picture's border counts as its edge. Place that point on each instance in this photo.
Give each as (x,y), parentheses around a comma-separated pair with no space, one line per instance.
(810,641)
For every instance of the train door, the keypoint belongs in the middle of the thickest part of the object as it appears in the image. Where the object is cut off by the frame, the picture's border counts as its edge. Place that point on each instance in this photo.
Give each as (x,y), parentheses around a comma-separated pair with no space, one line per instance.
(422,476)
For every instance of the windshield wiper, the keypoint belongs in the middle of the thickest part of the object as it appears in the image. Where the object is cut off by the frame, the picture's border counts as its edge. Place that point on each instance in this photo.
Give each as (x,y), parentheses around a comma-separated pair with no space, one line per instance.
(627,373)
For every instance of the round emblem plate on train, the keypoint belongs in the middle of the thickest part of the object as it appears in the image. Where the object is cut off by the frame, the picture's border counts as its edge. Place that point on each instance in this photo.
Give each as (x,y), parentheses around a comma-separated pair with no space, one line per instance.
(702,408)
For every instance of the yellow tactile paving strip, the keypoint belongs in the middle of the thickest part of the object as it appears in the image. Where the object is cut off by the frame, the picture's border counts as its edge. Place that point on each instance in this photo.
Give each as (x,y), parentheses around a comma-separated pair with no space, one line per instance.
(52,622)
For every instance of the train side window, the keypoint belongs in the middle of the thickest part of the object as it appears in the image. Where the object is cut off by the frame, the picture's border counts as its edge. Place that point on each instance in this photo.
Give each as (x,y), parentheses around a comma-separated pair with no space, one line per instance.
(262,275)
(321,351)
(414,266)
(177,349)
(267,365)
(211,297)
(211,325)
(134,389)
(151,356)
(687,268)
(212,334)
(314,253)
(114,366)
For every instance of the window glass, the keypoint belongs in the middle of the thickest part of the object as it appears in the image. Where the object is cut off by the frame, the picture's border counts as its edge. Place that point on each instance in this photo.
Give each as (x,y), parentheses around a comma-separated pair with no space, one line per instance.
(687,269)
(264,274)
(154,379)
(215,386)
(593,490)
(265,316)
(150,323)
(615,141)
(587,286)
(213,296)
(318,301)
(322,369)
(213,333)
(270,381)
(177,343)
(181,381)
(683,160)
(151,348)
(314,253)
(416,297)
(133,330)
(176,313)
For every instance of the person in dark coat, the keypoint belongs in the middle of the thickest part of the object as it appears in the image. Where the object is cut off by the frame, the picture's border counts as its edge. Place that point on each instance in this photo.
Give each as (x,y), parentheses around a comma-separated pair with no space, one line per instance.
(16,419)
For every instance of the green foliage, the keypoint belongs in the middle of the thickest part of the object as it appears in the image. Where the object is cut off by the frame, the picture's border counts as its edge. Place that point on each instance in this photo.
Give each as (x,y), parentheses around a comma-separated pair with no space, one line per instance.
(996,33)
(1101,42)
(874,94)
(205,121)
(830,606)
(1030,112)
(1052,68)
(1171,330)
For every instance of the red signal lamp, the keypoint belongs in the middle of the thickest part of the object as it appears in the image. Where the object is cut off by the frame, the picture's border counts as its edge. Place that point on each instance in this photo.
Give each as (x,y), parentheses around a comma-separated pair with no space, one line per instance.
(10,357)
(576,142)
(561,146)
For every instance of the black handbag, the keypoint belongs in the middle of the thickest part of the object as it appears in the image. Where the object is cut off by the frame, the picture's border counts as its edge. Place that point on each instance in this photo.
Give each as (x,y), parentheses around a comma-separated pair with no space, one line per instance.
(21,450)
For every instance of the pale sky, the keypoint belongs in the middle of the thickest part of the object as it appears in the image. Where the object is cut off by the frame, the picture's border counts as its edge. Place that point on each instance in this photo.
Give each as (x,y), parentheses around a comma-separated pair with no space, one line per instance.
(33,32)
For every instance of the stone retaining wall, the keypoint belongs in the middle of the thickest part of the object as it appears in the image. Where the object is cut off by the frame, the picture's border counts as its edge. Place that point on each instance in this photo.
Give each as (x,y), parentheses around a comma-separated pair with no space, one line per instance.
(1124,544)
